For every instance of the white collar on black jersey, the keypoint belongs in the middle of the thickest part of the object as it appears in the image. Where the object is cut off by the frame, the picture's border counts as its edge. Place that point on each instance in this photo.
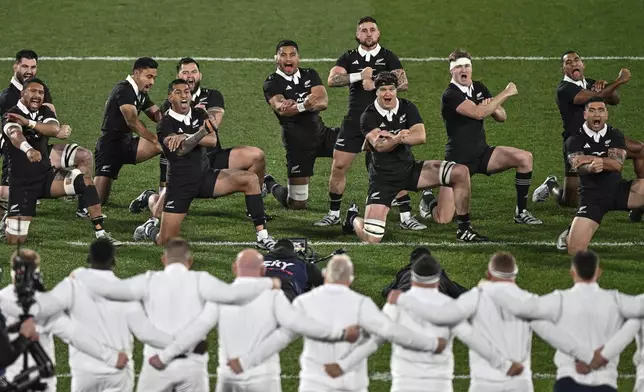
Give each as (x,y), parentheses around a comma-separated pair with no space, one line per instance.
(23,108)
(184,118)
(133,83)
(387,113)
(16,83)
(368,53)
(467,90)
(295,78)
(581,83)
(196,94)
(595,135)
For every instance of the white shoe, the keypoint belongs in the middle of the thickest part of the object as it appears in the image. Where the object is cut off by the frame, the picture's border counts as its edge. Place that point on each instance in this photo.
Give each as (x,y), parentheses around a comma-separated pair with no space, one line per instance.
(425,208)
(412,224)
(328,220)
(527,218)
(139,233)
(542,192)
(562,240)
(108,237)
(267,243)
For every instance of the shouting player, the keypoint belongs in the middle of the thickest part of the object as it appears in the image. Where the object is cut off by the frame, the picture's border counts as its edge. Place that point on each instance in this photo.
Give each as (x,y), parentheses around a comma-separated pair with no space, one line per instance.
(357,68)
(392,126)
(25,129)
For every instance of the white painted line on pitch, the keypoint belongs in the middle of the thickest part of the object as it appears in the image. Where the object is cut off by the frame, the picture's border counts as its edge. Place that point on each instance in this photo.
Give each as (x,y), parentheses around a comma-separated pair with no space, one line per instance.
(445,244)
(318,59)
(382,376)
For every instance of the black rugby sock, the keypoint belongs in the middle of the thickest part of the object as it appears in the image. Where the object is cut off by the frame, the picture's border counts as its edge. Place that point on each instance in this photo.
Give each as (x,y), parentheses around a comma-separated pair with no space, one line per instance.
(522,182)
(404,203)
(163,170)
(255,207)
(97,221)
(335,201)
(81,202)
(463,221)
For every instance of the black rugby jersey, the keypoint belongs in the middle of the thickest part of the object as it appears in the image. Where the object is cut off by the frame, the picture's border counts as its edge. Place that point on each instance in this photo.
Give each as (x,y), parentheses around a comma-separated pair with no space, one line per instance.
(24,172)
(305,128)
(189,168)
(355,60)
(584,142)
(10,96)
(390,166)
(465,135)
(124,93)
(572,115)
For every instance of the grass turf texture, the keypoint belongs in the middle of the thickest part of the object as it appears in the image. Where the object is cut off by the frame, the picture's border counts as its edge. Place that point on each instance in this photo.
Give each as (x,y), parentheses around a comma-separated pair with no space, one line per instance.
(325,29)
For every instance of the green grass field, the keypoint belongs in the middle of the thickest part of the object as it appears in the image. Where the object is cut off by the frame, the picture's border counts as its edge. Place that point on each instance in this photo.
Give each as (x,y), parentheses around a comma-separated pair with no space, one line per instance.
(412,29)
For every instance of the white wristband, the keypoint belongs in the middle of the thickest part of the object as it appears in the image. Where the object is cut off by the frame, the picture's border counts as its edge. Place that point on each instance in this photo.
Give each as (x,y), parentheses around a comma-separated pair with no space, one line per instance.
(32,124)
(25,146)
(355,77)
(300,107)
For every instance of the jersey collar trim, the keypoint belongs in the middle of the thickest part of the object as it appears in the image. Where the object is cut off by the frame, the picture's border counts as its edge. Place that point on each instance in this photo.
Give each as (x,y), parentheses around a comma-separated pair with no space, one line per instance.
(23,108)
(387,113)
(469,90)
(595,135)
(16,83)
(184,118)
(581,83)
(196,94)
(368,53)
(295,78)
(133,84)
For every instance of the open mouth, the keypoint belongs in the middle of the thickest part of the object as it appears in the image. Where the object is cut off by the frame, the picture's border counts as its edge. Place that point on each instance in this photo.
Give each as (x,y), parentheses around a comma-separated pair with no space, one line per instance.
(576,72)
(596,122)
(184,101)
(387,100)
(288,67)
(35,100)
(463,77)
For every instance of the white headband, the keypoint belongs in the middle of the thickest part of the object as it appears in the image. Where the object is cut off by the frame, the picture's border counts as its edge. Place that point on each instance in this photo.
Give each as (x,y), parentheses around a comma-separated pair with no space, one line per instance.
(425,279)
(503,275)
(458,62)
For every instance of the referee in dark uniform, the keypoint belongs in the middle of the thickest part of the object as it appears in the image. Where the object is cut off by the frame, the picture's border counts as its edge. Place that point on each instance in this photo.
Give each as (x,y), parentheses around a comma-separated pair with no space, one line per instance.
(116,146)
(597,154)
(357,68)
(391,126)
(297,96)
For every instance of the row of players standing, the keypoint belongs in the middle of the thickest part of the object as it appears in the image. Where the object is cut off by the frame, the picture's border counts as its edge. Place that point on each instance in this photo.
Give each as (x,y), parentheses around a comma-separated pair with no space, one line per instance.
(390,124)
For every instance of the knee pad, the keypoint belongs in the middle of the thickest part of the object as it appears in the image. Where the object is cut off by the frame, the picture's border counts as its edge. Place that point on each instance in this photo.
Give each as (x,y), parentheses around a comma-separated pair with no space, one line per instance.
(68,157)
(374,228)
(298,192)
(74,183)
(445,172)
(17,227)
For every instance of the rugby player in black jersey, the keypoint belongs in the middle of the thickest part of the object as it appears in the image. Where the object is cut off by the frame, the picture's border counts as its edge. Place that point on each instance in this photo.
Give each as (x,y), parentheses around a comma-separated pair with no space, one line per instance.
(356,68)
(391,126)
(597,154)
(297,96)
(62,156)
(238,157)
(465,105)
(185,133)
(116,146)
(573,92)
(25,129)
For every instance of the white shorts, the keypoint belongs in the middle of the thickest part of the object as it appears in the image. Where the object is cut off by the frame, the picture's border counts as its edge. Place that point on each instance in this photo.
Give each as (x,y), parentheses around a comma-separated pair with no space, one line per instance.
(421,385)
(518,385)
(311,387)
(122,381)
(181,375)
(262,384)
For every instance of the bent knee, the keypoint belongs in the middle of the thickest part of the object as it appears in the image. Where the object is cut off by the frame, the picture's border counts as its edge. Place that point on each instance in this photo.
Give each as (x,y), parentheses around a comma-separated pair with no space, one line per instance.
(459,173)
(442,218)
(339,167)
(373,240)
(525,159)
(257,154)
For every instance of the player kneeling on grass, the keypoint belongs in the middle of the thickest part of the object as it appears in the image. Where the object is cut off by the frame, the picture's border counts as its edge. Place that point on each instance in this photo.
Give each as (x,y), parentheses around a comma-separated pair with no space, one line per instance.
(25,128)
(597,154)
(185,133)
(391,126)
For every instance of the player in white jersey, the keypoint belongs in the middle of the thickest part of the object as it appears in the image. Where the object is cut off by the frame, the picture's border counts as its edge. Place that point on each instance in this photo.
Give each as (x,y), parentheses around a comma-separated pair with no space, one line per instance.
(60,325)
(172,299)
(243,328)
(112,323)
(419,371)
(335,303)
(510,334)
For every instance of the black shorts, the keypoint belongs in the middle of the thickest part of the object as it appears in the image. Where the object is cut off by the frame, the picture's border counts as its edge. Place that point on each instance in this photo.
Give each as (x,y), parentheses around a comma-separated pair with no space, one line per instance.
(110,156)
(478,164)
(220,159)
(179,198)
(22,198)
(300,163)
(593,207)
(568,384)
(350,138)
(382,192)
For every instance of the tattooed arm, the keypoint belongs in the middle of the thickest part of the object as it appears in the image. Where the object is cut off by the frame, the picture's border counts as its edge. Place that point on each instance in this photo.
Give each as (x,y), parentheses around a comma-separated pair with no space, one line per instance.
(216,115)
(403,84)
(615,159)
(338,77)
(584,164)
(205,136)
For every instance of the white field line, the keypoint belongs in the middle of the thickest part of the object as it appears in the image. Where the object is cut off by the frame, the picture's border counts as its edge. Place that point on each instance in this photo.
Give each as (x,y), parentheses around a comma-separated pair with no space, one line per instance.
(445,244)
(381,376)
(320,59)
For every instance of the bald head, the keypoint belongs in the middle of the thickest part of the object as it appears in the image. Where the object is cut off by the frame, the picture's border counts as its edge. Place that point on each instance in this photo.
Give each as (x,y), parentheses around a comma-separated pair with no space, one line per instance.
(339,270)
(502,266)
(250,263)
(177,250)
